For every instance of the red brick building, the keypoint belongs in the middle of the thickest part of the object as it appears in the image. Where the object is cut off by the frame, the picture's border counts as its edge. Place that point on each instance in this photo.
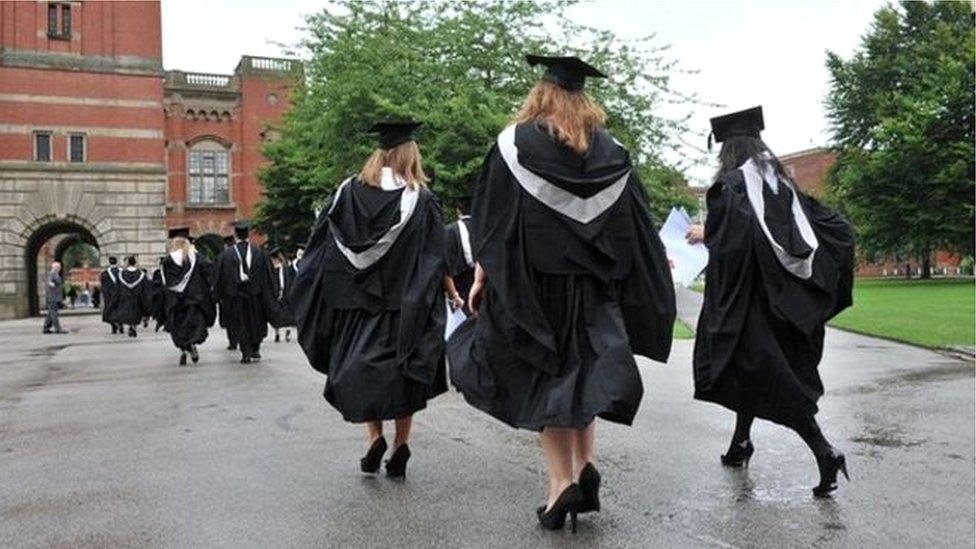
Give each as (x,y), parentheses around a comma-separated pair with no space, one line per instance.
(215,127)
(99,143)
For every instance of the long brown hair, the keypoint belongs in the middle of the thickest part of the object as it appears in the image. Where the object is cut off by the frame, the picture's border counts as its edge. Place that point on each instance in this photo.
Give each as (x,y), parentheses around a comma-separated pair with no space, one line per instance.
(571,116)
(404,160)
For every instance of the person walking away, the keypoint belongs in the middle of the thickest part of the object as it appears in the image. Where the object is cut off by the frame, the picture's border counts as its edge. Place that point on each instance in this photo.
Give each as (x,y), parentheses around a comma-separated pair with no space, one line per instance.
(780,266)
(54,301)
(571,281)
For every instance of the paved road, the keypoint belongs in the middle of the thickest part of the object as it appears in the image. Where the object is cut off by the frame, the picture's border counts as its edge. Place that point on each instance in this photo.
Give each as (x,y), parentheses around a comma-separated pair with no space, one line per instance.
(105,442)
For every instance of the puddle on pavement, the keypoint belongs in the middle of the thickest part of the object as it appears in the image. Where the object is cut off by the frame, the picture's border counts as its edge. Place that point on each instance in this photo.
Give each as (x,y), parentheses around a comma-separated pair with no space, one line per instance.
(885,438)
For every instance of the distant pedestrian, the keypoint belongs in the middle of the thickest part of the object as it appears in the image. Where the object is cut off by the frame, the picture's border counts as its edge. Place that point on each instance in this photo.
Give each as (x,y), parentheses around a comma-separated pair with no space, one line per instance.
(282,280)
(133,297)
(780,266)
(185,295)
(54,301)
(109,280)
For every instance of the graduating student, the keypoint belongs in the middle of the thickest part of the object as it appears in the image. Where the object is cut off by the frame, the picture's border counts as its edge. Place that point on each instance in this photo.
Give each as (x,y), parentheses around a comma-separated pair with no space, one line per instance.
(368,296)
(780,265)
(133,296)
(231,337)
(283,278)
(188,307)
(109,280)
(460,259)
(157,309)
(244,290)
(571,280)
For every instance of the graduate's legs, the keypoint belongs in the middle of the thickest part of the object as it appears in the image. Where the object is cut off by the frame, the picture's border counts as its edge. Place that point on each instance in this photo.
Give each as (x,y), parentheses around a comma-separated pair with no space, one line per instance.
(584,442)
(740,448)
(830,460)
(557,449)
(403,426)
(374,430)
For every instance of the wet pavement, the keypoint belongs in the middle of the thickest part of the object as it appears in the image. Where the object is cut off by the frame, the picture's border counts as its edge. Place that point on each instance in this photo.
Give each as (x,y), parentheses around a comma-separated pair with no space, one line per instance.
(105,442)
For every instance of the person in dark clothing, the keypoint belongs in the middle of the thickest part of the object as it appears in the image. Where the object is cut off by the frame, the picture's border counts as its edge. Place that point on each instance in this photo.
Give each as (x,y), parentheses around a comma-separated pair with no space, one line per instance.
(780,266)
(458,253)
(243,287)
(109,280)
(54,300)
(186,299)
(133,297)
(571,281)
(283,278)
(222,317)
(368,298)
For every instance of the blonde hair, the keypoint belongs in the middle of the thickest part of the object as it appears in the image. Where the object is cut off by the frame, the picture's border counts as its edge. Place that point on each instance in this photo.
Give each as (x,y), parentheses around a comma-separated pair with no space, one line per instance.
(404,160)
(181,244)
(571,116)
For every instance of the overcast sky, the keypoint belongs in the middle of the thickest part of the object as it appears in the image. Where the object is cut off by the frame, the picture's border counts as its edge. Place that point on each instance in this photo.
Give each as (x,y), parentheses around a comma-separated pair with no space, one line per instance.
(768,52)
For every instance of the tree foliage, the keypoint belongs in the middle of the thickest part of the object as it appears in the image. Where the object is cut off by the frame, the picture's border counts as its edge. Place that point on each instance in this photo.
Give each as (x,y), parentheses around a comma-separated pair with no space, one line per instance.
(902,116)
(458,67)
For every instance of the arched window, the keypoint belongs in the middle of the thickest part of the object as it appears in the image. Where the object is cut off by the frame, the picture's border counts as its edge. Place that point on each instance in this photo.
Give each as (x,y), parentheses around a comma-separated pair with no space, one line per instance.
(208,173)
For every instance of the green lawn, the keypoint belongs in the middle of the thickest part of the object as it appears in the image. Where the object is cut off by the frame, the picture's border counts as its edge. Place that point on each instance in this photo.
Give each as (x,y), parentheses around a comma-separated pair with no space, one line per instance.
(681,331)
(932,313)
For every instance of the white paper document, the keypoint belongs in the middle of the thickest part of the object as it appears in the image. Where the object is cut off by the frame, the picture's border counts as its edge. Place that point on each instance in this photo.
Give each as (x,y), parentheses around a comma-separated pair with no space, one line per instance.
(687,260)
(454,319)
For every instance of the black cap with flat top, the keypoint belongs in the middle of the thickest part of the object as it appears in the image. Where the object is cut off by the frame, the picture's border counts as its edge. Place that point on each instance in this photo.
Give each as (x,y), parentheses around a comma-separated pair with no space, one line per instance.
(242,229)
(179,232)
(747,123)
(567,72)
(393,134)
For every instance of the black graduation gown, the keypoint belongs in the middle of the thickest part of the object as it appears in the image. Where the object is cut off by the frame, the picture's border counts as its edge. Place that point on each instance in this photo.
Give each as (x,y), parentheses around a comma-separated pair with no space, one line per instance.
(761,330)
(570,298)
(283,279)
(376,331)
(157,299)
(132,298)
(188,309)
(245,305)
(457,263)
(109,284)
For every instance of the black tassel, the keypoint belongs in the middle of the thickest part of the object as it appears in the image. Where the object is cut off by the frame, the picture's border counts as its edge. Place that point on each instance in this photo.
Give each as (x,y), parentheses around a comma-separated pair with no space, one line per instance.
(709,141)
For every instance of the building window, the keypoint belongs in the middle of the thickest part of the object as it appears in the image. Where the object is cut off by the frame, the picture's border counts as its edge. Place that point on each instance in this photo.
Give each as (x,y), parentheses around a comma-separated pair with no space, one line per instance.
(76,147)
(208,170)
(42,147)
(59,20)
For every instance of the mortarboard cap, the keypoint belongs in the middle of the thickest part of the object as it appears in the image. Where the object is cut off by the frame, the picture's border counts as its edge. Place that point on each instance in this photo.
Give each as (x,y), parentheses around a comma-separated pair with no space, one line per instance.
(242,228)
(746,123)
(566,72)
(179,231)
(393,134)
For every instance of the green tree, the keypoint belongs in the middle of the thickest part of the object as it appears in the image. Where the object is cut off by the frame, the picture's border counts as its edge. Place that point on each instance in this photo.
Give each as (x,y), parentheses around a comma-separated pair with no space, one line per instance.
(902,116)
(459,67)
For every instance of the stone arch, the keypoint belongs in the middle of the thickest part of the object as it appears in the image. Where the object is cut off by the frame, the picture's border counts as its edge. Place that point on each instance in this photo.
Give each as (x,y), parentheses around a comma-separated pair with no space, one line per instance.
(121,213)
(48,229)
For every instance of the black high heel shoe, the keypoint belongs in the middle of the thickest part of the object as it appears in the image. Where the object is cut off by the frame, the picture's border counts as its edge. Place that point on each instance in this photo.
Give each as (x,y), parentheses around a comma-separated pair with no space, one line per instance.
(738,454)
(589,483)
(829,465)
(194,354)
(183,359)
(568,503)
(396,466)
(370,463)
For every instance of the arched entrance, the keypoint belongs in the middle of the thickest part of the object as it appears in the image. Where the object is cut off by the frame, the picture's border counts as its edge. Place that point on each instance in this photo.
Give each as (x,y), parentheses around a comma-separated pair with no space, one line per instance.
(209,245)
(35,243)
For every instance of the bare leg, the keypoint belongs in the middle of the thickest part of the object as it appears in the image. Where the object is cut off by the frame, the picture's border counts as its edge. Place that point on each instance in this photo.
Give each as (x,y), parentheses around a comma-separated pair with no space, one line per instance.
(403,426)
(584,441)
(557,449)
(374,430)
